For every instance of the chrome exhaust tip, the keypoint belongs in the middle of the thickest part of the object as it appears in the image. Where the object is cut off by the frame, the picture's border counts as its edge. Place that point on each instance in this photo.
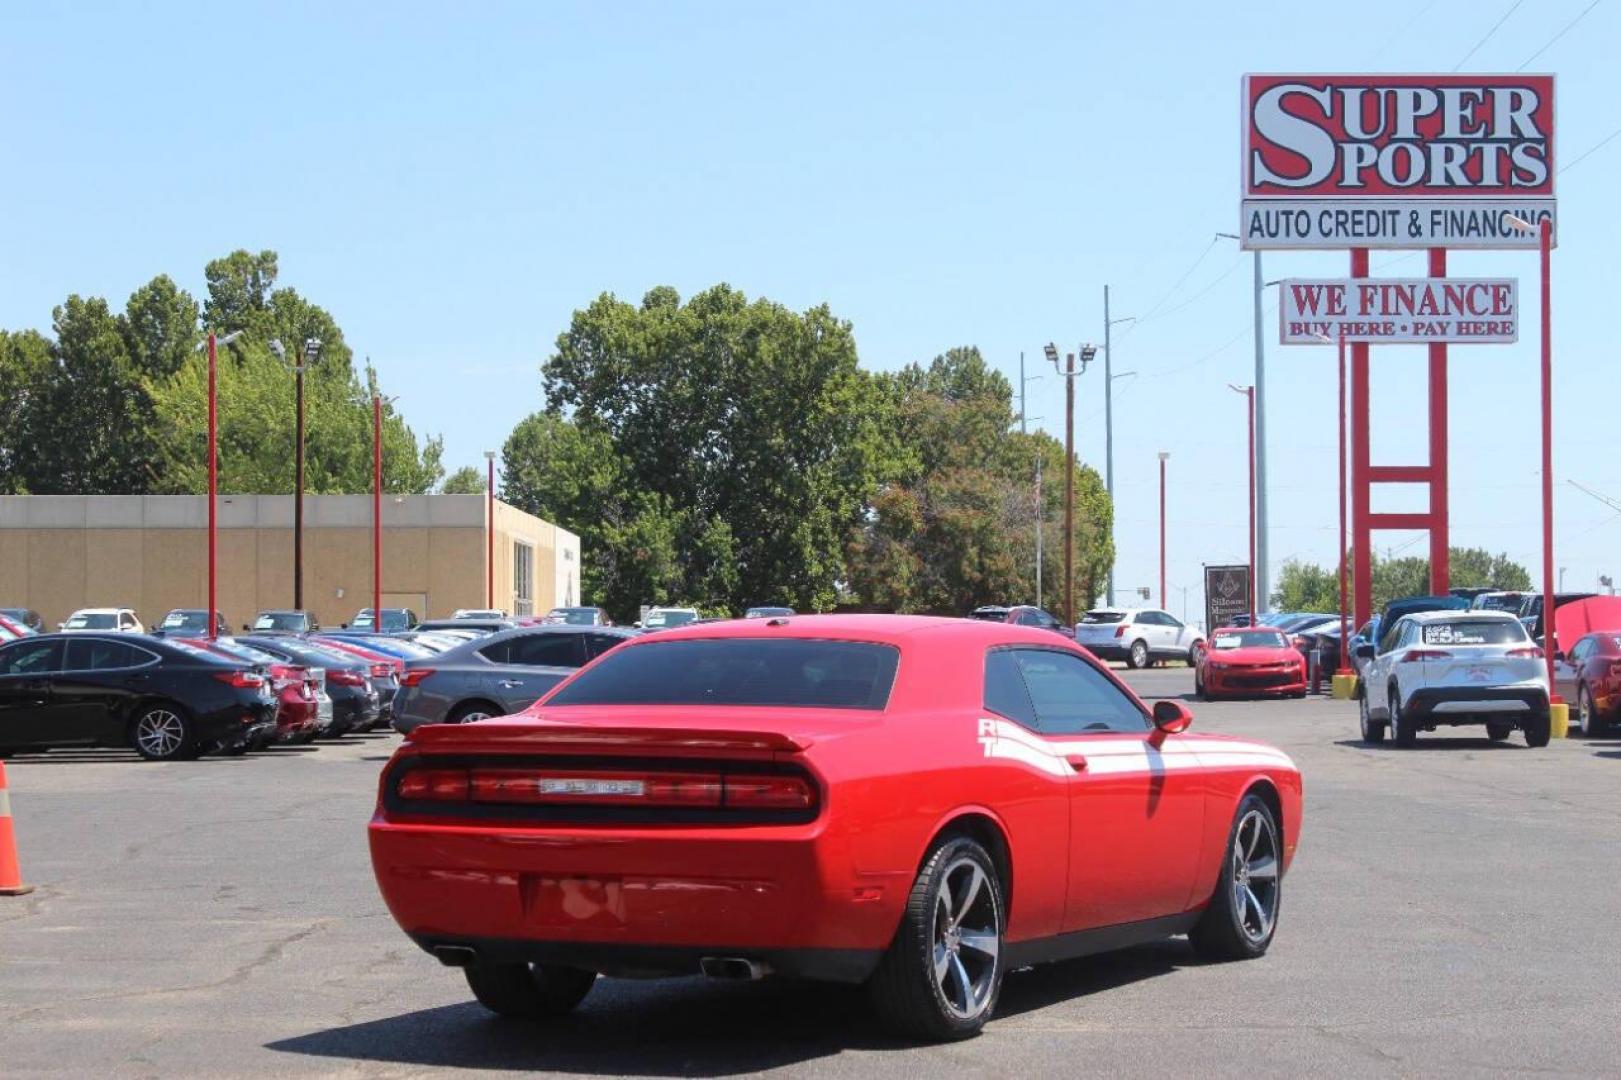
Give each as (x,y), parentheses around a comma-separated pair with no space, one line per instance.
(735,968)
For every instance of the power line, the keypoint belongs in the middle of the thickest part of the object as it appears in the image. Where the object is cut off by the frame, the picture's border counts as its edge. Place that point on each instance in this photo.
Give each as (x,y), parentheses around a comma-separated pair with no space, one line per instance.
(1590,151)
(1512,8)
(1549,43)
(1149,314)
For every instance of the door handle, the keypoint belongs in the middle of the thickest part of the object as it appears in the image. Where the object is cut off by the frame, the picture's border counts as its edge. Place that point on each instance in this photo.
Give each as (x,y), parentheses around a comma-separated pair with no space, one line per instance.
(1076,762)
(508,684)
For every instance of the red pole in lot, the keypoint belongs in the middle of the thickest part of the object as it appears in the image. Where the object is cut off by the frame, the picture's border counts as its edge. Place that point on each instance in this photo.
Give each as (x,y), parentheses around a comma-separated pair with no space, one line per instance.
(1547,454)
(1440,571)
(1361,531)
(1345,599)
(377,512)
(213,487)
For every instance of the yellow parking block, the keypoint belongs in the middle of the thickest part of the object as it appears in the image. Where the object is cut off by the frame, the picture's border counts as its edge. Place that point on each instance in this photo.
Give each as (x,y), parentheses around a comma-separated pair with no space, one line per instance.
(1559,720)
(1344,688)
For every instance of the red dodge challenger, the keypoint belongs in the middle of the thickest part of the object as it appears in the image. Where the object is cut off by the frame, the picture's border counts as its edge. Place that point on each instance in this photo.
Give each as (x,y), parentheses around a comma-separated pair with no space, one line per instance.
(1249,661)
(917,804)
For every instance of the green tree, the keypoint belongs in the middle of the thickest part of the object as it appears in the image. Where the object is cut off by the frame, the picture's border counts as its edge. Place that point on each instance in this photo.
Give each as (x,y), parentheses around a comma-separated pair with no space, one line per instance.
(1306,586)
(739,441)
(24,358)
(467,480)
(1303,586)
(955,524)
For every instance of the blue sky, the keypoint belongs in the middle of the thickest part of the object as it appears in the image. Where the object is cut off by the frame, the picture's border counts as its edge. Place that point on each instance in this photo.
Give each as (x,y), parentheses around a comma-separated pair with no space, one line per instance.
(453,181)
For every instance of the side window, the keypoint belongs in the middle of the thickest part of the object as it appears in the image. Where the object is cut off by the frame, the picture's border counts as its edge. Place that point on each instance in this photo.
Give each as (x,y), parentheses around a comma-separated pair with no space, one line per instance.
(1166,619)
(1071,696)
(99,654)
(1005,694)
(1583,649)
(31,658)
(597,644)
(546,650)
(497,652)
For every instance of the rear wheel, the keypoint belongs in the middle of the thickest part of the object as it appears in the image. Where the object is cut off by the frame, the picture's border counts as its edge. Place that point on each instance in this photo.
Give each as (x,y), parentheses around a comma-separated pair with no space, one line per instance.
(1242,915)
(1402,731)
(1138,656)
(163,733)
(1372,730)
(1537,730)
(529,991)
(471,712)
(943,971)
(1498,732)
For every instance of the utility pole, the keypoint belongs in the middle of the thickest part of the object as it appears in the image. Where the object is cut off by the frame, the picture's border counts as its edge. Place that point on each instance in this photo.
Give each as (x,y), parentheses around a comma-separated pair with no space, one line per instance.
(1108,429)
(1069,373)
(1260,438)
(1249,394)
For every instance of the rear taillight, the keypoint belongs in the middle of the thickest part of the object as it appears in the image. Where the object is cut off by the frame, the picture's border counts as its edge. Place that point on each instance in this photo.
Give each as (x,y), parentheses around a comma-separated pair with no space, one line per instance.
(1424,654)
(1298,642)
(437,785)
(658,789)
(1120,631)
(415,676)
(1528,653)
(381,670)
(344,677)
(242,680)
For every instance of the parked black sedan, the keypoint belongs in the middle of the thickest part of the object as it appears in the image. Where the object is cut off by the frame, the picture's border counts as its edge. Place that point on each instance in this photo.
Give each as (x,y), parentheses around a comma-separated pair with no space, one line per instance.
(168,700)
(496,675)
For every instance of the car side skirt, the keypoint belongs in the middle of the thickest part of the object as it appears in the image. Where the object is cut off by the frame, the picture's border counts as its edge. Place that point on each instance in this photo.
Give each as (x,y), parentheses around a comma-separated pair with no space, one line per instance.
(1102,939)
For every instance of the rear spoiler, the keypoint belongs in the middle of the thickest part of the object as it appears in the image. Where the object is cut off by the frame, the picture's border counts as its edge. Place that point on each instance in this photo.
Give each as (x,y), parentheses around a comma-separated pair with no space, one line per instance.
(494,736)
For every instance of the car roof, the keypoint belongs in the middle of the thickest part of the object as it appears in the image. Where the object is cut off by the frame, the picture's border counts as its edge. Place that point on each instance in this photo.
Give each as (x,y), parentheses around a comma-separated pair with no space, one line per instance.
(879,629)
(1243,629)
(1471,614)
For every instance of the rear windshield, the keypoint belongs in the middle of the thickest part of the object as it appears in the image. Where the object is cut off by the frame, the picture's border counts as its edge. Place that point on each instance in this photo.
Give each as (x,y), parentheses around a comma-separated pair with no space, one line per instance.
(667,619)
(1474,632)
(740,671)
(1504,602)
(990,614)
(276,620)
(185,620)
(95,621)
(1250,639)
(1102,617)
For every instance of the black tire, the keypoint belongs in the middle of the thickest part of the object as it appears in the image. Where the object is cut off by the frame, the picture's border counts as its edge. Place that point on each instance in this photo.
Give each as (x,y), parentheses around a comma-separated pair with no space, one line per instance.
(1137,655)
(905,992)
(1232,928)
(1193,654)
(1402,731)
(1498,732)
(1198,686)
(470,711)
(529,991)
(1373,731)
(1537,730)
(164,732)
(1587,717)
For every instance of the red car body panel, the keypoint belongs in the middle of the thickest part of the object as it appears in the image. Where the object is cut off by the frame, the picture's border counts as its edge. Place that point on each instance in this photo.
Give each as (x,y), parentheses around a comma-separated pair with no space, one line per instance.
(1599,673)
(1251,671)
(1099,829)
(298,706)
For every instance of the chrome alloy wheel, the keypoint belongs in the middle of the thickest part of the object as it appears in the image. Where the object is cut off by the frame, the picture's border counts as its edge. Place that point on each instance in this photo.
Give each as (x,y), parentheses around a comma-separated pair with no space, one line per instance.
(1255,875)
(966,936)
(160,733)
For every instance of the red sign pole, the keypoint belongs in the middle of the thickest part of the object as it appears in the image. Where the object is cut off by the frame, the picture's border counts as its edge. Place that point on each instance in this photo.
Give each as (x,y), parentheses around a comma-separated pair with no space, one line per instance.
(1345,600)
(1548,644)
(1249,394)
(213,489)
(1440,541)
(1361,532)
(377,512)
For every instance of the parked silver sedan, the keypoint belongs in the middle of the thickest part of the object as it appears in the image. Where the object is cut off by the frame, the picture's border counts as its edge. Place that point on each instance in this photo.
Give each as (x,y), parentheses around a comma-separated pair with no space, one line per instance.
(498,674)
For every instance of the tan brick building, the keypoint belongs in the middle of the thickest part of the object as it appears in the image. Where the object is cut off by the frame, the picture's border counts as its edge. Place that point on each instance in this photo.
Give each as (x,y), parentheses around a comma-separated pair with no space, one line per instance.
(150,552)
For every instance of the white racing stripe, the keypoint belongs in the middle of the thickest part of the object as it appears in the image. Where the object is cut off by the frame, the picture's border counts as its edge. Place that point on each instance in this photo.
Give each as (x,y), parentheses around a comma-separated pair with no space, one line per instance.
(1106,756)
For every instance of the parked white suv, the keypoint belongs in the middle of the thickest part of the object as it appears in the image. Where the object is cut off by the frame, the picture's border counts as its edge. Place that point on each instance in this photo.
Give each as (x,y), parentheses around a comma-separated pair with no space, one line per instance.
(1139,636)
(101,620)
(1453,668)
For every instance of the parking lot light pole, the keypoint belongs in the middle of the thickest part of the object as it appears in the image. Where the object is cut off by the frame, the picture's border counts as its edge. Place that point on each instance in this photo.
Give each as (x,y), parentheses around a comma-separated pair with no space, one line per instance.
(1108,416)
(1069,373)
(489,531)
(1249,395)
(214,477)
(1164,601)
(1345,611)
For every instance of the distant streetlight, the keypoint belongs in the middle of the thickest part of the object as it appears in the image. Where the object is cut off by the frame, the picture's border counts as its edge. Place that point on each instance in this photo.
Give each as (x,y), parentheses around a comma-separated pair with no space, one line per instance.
(1108,415)
(1249,394)
(1164,601)
(489,531)
(1258,565)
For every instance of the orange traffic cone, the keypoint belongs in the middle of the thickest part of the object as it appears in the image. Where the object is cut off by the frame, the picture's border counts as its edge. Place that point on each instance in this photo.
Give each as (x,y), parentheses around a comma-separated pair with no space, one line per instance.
(11,877)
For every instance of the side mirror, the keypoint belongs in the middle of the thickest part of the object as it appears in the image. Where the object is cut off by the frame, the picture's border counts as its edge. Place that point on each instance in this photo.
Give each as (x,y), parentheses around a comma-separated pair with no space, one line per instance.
(1171,717)
(1366,652)
(1559,654)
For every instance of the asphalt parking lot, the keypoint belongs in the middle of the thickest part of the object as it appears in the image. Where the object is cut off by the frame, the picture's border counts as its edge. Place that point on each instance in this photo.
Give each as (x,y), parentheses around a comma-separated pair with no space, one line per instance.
(1452,911)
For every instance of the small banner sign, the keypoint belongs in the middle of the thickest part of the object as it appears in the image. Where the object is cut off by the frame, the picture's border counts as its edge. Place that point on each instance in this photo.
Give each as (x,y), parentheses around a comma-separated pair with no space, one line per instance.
(1479,311)
(1226,595)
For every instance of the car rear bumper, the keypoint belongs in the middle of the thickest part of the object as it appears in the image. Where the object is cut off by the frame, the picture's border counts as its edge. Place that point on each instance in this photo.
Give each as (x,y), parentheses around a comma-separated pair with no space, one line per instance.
(641,898)
(827,965)
(1111,649)
(1475,704)
(237,725)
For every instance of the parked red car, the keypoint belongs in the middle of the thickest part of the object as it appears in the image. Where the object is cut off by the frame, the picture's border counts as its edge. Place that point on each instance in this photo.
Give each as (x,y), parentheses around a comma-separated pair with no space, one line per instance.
(1589,677)
(912,803)
(1249,660)
(298,702)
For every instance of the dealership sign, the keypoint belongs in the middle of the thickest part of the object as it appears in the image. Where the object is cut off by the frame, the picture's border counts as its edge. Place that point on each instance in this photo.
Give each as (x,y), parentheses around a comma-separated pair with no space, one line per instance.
(1399,310)
(1396,161)
(1226,595)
